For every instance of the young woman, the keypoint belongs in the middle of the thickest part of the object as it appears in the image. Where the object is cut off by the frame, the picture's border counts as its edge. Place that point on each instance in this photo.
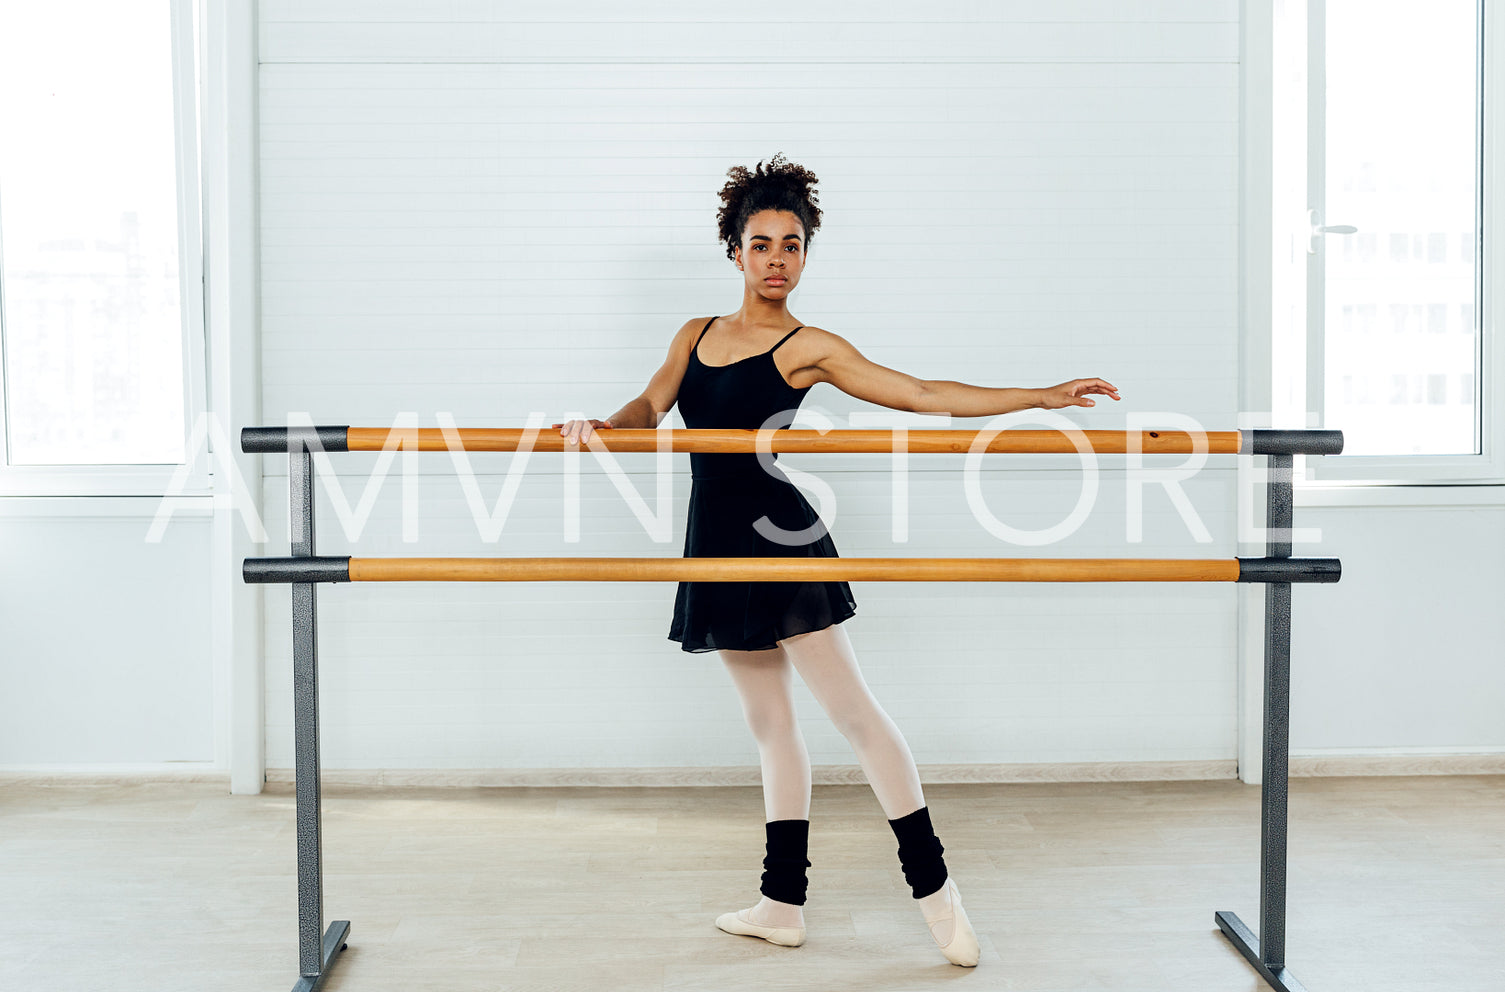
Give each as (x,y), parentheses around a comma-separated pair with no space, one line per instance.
(750,370)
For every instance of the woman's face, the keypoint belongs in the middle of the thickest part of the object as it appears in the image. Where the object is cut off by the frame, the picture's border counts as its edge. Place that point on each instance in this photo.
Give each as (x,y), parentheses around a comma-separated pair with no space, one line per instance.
(772,253)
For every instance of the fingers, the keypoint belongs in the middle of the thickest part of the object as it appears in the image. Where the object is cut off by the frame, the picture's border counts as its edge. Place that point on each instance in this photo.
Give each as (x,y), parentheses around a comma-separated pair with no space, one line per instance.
(1081,388)
(579,431)
(1075,392)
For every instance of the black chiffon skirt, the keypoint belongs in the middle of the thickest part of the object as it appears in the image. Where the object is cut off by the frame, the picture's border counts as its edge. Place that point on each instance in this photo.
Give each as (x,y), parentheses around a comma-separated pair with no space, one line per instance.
(754,616)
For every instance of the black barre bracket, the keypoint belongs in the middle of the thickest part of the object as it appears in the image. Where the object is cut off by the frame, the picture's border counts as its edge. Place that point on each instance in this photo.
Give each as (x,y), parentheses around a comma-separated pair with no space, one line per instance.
(291,440)
(1289,569)
(1284,442)
(320,569)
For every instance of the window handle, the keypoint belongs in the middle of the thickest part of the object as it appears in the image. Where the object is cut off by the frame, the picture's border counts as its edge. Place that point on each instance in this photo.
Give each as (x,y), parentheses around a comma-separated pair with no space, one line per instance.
(1314,221)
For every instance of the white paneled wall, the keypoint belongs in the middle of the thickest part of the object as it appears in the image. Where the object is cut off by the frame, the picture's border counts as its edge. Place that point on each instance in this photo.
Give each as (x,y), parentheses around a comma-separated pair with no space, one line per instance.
(494,210)
(103,659)
(1407,657)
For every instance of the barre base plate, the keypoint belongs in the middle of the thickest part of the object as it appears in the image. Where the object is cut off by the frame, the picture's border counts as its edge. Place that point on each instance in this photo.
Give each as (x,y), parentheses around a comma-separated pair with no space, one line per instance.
(334,943)
(1243,938)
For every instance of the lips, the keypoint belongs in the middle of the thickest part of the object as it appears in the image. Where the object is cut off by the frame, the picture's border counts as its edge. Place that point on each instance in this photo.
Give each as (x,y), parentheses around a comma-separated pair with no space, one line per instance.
(780,279)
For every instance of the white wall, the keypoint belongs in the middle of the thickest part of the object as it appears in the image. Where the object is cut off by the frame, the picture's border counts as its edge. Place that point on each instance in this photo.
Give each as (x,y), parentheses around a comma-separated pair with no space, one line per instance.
(1403,656)
(491,218)
(104,659)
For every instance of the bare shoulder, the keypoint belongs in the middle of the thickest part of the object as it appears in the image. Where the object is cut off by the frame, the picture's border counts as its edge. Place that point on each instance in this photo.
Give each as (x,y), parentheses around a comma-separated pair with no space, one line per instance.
(828,357)
(684,338)
(694,324)
(815,344)
(810,352)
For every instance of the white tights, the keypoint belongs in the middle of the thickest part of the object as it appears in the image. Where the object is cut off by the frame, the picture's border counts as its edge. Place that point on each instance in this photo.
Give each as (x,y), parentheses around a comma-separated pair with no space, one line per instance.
(826,662)
(828,665)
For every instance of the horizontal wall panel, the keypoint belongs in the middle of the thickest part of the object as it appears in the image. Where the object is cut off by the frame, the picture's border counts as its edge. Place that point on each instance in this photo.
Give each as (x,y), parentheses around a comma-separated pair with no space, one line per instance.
(597,32)
(695,11)
(504,365)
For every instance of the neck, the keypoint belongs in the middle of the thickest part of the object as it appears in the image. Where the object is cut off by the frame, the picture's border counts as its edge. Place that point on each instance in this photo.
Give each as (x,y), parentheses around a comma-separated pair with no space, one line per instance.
(758,311)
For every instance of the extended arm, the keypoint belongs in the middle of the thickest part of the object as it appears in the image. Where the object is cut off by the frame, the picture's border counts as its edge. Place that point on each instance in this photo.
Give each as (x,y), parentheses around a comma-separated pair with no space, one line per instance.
(846,368)
(961,399)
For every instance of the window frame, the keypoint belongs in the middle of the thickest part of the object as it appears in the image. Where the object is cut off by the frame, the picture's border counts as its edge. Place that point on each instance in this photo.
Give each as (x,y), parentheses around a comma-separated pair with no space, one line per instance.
(1487,466)
(150,479)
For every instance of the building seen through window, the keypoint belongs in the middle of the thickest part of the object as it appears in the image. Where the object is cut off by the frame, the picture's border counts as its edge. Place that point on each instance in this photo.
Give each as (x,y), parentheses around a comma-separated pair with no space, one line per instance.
(1401,321)
(90,297)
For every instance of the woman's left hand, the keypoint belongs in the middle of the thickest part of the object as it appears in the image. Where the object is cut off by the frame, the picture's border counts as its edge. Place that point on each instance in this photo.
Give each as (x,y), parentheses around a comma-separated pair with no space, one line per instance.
(1074,393)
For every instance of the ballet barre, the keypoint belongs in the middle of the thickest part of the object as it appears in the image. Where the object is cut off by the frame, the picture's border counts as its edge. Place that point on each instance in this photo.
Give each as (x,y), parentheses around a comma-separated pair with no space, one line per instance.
(303,569)
(328,569)
(285,440)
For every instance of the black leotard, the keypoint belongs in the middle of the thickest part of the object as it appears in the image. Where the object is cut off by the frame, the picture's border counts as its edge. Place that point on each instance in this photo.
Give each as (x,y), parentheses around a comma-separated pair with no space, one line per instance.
(729,493)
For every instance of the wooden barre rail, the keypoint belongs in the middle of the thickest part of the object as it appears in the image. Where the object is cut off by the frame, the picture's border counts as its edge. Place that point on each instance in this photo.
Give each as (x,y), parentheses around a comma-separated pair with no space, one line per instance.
(728,441)
(332,569)
(1153,442)
(785,569)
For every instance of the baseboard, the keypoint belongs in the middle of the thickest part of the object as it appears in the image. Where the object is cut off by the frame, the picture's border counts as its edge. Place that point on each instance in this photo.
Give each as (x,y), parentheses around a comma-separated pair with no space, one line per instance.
(1308,765)
(167,771)
(1091,771)
(1345,765)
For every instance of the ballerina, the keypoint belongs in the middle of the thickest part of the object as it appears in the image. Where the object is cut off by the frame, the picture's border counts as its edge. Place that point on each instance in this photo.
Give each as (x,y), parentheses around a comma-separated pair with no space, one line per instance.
(750,370)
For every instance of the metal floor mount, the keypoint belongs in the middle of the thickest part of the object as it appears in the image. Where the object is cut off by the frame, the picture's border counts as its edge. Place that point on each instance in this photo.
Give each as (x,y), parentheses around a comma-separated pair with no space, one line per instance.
(334,943)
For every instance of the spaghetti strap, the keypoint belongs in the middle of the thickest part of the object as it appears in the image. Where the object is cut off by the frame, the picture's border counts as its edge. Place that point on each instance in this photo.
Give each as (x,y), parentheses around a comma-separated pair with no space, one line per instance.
(696,346)
(786,338)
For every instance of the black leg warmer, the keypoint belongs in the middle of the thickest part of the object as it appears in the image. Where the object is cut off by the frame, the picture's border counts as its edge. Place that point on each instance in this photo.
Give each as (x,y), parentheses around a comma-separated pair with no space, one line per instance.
(784,866)
(920,852)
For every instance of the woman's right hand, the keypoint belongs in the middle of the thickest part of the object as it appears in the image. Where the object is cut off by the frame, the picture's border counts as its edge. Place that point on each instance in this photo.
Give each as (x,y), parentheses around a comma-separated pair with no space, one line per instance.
(578,431)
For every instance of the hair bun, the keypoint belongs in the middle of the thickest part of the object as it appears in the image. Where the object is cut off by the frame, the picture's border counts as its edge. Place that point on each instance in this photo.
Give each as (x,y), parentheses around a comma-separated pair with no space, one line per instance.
(781,185)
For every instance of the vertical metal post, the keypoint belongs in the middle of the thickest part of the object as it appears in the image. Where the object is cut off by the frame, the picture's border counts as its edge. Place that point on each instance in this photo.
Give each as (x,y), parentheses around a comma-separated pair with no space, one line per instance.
(1279,514)
(316,948)
(1267,951)
(300,491)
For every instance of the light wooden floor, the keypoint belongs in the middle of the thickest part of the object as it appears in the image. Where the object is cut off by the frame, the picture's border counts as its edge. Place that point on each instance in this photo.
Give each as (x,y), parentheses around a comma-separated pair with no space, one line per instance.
(1396,885)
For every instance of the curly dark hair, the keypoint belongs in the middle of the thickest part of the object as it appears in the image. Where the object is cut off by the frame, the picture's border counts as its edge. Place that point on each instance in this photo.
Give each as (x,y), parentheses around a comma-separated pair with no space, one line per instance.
(781,185)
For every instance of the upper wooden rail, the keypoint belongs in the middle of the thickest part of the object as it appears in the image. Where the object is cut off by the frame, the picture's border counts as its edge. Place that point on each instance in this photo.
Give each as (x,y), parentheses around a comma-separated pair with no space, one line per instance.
(729,441)
(992,440)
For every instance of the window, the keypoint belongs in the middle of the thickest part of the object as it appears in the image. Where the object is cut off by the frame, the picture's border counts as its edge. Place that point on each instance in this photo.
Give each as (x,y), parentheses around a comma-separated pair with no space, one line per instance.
(1389,330)
(100,285)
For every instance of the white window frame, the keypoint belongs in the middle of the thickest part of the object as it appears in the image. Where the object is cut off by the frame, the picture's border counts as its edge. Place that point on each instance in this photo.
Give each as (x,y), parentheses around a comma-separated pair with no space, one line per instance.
(1291,228)
(150,479)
